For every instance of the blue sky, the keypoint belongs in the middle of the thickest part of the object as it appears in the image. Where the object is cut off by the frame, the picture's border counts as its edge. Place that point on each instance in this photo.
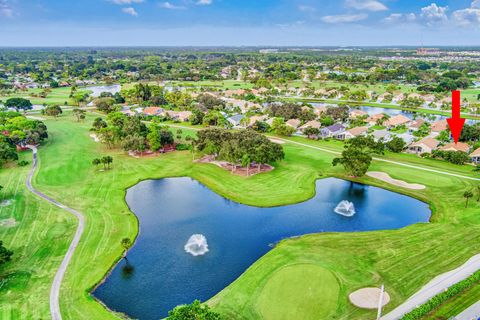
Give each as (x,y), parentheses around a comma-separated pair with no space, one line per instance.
(242,22)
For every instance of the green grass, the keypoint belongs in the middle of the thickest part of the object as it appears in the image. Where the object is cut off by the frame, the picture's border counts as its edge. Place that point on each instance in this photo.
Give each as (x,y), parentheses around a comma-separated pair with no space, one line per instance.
(58,96)
(318,287)
(39,241)
(403,260)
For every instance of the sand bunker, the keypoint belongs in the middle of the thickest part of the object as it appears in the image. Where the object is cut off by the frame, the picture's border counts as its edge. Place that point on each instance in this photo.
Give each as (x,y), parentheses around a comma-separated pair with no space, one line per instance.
(368,298)
(278,141)
(8,223)
(385,177)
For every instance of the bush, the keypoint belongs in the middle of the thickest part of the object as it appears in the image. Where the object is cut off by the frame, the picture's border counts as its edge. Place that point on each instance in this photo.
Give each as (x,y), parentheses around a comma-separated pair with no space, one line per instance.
(23,163)
(183,146)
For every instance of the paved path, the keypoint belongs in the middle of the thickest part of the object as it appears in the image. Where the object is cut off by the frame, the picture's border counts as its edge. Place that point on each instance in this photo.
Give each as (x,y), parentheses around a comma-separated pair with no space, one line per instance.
(57,281)
(434,287)
(471,313)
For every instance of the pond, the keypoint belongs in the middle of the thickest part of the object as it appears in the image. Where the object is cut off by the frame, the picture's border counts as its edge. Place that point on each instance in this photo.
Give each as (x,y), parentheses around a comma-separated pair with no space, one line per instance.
(160,274)
(97,90)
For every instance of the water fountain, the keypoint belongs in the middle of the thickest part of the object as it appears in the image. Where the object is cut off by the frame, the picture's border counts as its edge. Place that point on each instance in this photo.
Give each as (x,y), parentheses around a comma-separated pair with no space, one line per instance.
(345,208)
(197,245)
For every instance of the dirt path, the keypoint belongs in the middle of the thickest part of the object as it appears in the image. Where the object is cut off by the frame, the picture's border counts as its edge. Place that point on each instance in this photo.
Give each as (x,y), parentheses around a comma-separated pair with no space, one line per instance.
(57,281)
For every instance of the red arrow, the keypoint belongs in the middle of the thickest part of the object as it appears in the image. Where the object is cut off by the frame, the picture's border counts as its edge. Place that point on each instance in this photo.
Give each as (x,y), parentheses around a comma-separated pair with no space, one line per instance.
(455,122)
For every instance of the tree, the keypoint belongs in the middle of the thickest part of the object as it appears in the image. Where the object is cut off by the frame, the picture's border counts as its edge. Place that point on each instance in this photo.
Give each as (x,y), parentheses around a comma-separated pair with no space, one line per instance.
(98,124)
(7,152)
(96,162)
(53,111)
(467,195)
(80,114)
(396,145)
(311,133)
(126,243)
(19,104)
(279,127)
(134,143)
(5,254)
(106,161)
(357,155)
(355,161)
(193,311)
(105,105)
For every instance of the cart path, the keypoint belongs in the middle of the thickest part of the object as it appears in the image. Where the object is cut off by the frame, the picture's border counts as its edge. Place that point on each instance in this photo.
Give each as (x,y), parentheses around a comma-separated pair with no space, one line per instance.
(57,281)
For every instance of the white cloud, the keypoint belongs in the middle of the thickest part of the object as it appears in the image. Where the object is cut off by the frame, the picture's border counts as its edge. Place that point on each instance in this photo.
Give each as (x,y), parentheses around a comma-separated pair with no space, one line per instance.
(369,5)
(344,18)
(131,11)
(400,18)
(305,8)
(124,2)
(170,6)
(434,15)
(204,2)
(5,9)
(467,17)
(475,4)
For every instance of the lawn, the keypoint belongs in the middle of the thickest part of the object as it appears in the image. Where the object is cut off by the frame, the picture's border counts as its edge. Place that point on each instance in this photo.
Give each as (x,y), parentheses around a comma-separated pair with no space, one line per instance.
(59,96)
(39,238)
(402,259)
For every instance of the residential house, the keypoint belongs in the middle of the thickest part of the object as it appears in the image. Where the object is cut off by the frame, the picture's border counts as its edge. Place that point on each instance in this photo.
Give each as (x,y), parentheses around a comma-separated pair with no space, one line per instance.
(318,110)
(372,120)
(294,123)
(236,120)
(179,115)
(429,99)
(406,137)
(357,113)
(396,99)
(312,124)
(461,146)
(439,126)
(426,145)
(332,131)
(396,121)
(381,135)
(254,119)
(475,156)
(415,125)
(384,96)
(352,133)
(153,111)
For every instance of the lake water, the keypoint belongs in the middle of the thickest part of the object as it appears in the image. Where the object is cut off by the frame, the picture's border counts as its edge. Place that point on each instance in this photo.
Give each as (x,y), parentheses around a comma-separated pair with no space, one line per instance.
(97,90)
(160,275)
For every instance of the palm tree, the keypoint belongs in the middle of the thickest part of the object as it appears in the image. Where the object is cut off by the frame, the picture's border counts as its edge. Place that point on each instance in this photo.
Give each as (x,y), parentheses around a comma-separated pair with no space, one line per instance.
(126,244)
(467,195)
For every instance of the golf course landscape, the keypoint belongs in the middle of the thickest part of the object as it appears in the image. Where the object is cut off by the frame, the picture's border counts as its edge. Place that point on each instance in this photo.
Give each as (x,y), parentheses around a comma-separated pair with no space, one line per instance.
(309,277)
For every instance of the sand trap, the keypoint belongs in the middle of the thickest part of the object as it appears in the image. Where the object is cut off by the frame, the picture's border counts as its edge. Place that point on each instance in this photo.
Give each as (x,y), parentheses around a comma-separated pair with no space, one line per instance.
(6,203)
(94,137)
(278,141)
(367,298)
(8,223)
(385,177)
(36,118)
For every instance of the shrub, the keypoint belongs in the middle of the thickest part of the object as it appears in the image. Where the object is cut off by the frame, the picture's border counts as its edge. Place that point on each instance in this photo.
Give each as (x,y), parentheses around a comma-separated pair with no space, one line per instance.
(23,163)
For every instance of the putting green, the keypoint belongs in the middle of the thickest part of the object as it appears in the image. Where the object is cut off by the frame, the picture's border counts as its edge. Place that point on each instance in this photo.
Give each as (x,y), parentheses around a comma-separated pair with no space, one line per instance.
(301,291)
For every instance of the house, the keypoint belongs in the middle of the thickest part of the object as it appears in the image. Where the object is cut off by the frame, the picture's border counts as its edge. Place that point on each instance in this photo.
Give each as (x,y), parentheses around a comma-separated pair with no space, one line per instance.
(429,99)
(384,96)
(294,123)
(352,133)
(254,119)
(236,120)
(415,125)
(179,115)
(398,98)
(396,121)
(408,138)
(426,145)
(153,111)
(461,146)
(357,113)
(331,131)
(475,155)
(381,135)
(312,124)
(439,126)
(318,110)
(372,120)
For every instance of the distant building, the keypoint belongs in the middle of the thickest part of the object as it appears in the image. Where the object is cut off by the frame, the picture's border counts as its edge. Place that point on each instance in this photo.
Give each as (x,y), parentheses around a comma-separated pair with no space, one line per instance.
(461,146)
(236,120)
(352,133)
(332,131)
(475,156)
